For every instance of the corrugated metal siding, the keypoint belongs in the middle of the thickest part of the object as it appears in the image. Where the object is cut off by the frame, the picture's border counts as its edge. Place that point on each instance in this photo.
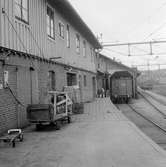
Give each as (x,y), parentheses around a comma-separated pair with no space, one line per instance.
(122,86)
(37,27)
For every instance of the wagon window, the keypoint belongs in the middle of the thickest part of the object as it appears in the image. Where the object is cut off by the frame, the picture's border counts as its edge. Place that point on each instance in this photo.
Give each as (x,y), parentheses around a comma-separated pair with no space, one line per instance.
(21,10)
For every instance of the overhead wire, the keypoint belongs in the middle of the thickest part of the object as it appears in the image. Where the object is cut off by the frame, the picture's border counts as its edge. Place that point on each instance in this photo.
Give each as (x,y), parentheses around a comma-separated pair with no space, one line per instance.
(33,37)
(155,31)
(12,93)
(148,18)
(140,49)
(124,54)
(117,52)
(18,36)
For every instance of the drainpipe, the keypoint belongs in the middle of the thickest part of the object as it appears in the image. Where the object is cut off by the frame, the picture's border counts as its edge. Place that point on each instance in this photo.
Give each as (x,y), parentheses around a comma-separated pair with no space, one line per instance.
(17,109)
(31,83)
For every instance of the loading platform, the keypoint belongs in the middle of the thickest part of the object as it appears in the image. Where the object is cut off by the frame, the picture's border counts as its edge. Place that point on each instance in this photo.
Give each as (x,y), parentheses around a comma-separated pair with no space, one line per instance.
(102,136)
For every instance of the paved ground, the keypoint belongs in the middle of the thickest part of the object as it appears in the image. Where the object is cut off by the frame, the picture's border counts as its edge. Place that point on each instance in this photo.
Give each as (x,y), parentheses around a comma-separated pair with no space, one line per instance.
(102,137)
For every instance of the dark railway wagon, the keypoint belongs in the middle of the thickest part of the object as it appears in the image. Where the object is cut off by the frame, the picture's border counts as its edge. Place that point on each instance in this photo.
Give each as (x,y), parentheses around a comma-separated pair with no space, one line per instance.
(121,87)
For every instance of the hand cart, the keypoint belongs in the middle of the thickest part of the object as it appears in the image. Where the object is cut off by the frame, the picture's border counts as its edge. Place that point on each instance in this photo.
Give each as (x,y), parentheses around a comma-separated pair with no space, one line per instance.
(12,136)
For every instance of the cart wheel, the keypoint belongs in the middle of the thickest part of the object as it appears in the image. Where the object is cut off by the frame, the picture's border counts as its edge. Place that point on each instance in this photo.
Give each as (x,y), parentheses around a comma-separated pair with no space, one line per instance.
(13,144)
(21,138)
(52,124)
(5,140)
(69,119)
(58,125)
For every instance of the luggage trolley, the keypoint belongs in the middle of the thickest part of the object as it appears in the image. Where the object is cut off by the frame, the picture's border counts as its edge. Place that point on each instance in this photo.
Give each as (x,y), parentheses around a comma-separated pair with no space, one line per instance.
(12,136)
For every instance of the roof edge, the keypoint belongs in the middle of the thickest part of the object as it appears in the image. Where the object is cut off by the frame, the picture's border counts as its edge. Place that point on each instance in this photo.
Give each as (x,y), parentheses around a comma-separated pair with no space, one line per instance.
(69,12)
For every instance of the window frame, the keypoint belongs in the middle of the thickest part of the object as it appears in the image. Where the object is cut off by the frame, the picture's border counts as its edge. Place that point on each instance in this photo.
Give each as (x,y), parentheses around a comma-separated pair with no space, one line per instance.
(68,35)
(61,33)
(85,81)
(22,8)
(84,48)
(78,44)
(51,80)
(49,26)
(92,54)
(74,76)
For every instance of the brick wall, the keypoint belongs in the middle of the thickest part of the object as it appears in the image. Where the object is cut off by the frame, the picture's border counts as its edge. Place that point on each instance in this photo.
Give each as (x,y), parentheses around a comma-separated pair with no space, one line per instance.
(87,91)
(31,86)
(12,114)
(60,79)
(8,112)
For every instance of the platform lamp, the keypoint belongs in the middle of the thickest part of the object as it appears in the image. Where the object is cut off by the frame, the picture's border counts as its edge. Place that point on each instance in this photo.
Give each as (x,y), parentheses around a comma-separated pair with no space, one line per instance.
(55,58)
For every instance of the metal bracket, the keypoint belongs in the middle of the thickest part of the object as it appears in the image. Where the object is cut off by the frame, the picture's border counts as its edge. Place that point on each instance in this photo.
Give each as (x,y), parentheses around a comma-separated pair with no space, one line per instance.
(3,10)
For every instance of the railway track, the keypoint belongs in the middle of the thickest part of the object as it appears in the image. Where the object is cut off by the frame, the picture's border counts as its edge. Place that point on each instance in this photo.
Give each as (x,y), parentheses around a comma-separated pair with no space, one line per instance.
(154,123)
(151,103)
(148,126)
(154,98)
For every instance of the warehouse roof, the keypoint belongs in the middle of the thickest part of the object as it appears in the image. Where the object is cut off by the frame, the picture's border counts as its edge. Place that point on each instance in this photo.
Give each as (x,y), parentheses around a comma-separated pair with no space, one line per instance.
(121,73)
(120,65)
(67,10)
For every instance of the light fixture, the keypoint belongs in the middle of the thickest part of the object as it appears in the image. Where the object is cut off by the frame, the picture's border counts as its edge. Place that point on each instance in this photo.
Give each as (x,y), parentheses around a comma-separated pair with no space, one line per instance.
(55,58)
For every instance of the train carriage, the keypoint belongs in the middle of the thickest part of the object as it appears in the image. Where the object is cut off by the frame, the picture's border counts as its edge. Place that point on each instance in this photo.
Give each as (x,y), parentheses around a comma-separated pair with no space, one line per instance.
(121,87)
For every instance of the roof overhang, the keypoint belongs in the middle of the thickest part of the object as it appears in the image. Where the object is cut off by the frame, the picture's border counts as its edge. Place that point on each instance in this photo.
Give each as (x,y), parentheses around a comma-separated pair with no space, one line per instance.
(100,72)
(121,73)
(120,65)
(69,13)
(111,72)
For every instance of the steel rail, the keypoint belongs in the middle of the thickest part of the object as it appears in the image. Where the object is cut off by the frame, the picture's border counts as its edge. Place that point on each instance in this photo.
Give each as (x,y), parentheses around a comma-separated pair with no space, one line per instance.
(154,123)
(160,101)
(163,114)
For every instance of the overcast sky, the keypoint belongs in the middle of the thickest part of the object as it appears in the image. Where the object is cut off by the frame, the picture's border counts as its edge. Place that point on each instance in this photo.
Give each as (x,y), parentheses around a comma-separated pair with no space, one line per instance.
(126,21)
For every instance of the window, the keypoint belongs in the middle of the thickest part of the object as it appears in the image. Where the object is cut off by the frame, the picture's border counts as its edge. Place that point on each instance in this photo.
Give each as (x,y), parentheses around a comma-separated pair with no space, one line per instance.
(50,23)
(85,81)
(103,83)
(91,53)
(51,80)
(98,64)
(71,79)
(84,48)
(21,10)
(68,36)
(77,43)
(6,79)
(61,29)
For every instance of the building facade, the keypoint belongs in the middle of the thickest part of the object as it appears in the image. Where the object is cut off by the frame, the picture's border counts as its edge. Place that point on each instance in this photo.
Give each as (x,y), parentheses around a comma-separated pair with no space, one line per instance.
(44,45)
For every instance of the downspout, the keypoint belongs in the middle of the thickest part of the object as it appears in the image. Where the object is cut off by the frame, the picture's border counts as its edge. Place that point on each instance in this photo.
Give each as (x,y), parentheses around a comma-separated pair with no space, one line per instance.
(31,84)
